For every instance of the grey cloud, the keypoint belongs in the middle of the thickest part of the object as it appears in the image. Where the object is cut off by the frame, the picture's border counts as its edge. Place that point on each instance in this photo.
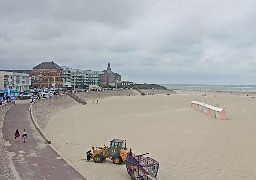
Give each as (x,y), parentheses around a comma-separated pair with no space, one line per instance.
(145,41)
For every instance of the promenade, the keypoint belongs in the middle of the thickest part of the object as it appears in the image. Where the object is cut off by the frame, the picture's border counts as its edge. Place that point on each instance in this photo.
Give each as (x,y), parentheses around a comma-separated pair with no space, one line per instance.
(34,159)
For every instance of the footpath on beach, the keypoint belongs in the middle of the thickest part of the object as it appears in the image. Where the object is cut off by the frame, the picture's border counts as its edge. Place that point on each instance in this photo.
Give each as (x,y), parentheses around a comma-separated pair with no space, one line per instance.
(34,159)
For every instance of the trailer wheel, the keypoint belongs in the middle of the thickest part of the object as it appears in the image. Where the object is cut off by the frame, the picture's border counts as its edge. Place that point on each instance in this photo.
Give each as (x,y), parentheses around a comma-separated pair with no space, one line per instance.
(97,158)
(117,160)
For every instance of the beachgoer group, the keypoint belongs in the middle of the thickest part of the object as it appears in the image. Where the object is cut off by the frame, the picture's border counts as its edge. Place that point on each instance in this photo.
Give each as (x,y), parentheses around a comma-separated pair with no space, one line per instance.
(24,135)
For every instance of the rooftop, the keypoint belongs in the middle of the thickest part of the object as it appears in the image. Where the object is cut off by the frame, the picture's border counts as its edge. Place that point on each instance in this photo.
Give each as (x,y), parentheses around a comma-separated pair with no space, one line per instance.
(48,65)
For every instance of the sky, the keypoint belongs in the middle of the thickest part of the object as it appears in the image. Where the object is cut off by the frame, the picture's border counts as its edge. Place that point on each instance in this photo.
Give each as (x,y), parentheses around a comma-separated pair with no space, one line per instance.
(146,41)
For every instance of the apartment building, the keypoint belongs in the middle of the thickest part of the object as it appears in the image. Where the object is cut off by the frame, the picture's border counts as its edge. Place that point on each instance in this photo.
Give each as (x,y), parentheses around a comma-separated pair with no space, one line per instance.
(73,78)
(77,78)
(66,76)
(92,77)
(15,82)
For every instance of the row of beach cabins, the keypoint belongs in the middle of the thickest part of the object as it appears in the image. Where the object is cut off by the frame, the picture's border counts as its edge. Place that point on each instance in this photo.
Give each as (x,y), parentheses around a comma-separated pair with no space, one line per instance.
(210,110)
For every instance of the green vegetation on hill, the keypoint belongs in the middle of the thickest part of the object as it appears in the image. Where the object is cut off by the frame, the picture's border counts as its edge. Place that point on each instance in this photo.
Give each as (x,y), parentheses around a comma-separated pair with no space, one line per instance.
(149,86)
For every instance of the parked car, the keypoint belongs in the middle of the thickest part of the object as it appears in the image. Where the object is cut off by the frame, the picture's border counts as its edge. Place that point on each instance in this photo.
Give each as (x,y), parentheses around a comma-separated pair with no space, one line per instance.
(45,95)
(24,95)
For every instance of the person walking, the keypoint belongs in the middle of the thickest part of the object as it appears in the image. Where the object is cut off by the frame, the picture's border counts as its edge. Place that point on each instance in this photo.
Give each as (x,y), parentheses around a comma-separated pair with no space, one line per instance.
(17,134)
(24,136)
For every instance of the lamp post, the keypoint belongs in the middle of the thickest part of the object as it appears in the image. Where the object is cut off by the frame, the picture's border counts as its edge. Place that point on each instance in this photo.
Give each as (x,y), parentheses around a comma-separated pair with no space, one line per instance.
(2,82)
(48,80)
(54,82)
(74,83)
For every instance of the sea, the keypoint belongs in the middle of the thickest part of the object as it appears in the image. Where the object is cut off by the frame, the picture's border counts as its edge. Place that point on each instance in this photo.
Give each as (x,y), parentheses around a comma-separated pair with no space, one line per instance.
(204,87)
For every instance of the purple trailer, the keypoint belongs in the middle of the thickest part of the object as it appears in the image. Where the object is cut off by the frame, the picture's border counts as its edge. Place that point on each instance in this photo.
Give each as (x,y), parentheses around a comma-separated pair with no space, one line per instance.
(141,168)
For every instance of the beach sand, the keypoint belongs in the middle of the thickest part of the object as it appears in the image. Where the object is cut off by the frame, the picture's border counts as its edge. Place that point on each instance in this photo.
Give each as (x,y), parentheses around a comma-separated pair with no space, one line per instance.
(187,143)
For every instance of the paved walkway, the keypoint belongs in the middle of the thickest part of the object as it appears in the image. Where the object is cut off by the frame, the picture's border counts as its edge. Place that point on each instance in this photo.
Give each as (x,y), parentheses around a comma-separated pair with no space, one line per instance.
(34,159)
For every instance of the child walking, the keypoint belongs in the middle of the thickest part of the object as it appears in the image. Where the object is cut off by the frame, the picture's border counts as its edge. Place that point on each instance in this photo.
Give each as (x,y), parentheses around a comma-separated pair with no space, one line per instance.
(24,136)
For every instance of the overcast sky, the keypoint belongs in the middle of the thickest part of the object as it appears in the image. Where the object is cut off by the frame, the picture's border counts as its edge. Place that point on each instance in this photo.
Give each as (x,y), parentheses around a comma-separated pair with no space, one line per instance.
(151,41)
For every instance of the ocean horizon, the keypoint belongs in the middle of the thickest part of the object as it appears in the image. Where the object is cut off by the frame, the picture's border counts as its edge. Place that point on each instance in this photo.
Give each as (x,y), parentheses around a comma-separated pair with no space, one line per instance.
(206,87)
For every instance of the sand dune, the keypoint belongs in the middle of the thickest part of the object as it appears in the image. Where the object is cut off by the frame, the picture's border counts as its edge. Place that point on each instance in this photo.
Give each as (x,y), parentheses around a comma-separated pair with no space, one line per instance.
(187,143)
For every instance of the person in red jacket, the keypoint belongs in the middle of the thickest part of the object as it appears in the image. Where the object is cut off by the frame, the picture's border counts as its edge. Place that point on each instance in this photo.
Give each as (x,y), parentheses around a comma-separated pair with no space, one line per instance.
(17,134)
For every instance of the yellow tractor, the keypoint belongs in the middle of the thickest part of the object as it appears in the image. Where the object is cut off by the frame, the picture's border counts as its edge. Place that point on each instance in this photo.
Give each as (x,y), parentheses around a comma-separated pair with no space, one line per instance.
(117,152)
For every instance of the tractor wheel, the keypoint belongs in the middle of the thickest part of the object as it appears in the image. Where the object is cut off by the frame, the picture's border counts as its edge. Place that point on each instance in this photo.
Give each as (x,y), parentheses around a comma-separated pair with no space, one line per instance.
(117,160)
(97,158)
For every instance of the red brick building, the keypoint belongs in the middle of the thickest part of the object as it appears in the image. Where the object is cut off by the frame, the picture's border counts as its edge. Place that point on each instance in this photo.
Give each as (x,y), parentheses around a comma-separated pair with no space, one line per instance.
(47,75)
(109,78)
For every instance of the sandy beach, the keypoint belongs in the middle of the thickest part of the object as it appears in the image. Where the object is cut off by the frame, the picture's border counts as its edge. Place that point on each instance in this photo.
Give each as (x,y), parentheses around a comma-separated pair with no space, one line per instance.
(187,143)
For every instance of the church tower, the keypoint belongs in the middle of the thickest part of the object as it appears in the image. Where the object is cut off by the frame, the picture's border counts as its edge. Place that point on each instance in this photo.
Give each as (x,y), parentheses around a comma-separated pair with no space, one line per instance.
(109,68)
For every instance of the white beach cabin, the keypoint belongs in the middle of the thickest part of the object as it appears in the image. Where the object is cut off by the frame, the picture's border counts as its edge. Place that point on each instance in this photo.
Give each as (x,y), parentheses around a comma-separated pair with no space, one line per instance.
(210,110)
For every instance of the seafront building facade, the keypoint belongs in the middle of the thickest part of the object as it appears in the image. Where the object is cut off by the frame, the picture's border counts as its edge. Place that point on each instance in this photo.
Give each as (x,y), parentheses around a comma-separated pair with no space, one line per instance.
(51,75)
(47,75)
(92,77)
(11,83)
(109,78)
(126,83)
(15,81)
(66,76)
(78,78)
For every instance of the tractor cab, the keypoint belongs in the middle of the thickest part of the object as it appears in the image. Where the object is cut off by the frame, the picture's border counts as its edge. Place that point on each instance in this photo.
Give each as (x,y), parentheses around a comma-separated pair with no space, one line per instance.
(115,146)
(118,143)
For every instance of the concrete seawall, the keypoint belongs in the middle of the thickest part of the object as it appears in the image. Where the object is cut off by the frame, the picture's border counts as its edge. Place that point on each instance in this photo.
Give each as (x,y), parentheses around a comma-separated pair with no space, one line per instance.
(42,110)
(79,100)
(37,126)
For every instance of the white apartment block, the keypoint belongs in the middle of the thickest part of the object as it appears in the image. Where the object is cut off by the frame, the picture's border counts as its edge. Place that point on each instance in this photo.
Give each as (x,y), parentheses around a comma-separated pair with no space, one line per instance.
(79,78)
(92,77)
(66,76)
(16,81)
